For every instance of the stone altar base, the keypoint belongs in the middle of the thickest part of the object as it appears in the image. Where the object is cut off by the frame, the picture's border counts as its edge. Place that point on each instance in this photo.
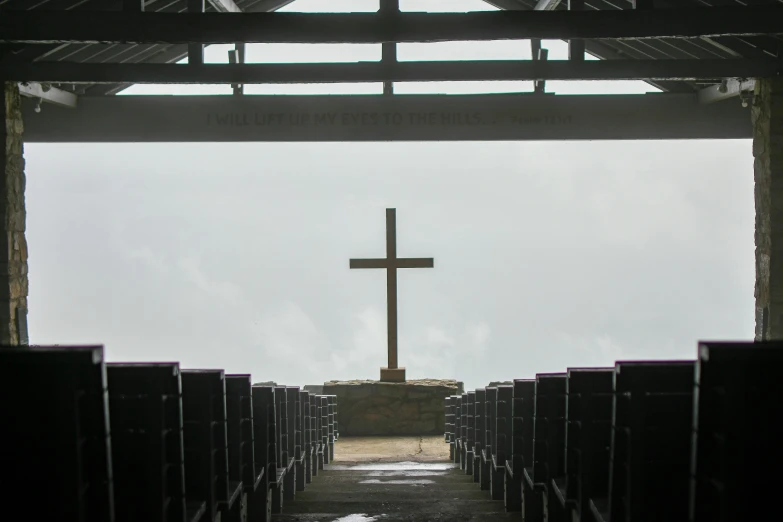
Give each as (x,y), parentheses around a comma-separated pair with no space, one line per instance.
(392,408)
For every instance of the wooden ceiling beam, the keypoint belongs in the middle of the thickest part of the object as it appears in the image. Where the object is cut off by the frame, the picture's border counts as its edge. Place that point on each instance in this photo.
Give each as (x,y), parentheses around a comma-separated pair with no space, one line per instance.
(525,70)
(214,28)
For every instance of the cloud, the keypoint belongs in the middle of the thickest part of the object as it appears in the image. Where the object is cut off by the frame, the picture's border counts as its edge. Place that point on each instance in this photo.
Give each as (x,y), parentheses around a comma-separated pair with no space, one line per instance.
(224,290)
(147,258)
(479,335)
(601,350)
(290,336)
(368,342)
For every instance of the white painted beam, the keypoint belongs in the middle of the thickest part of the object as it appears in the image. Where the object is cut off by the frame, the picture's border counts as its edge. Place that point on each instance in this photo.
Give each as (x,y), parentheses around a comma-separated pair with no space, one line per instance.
(48,94)
(546,5)
(724,91)
(506,5)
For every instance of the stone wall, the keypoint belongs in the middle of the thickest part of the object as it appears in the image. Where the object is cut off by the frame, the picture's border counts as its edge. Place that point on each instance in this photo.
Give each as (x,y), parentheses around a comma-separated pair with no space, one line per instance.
(13,257)
(390,408)
(768,174)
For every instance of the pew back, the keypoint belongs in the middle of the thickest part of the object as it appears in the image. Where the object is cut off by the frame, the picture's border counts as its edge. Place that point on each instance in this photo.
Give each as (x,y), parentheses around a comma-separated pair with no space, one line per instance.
(56,431)
(590,395)
(205,437)
(651,437)
(737,432)
(549,427)
(145,402)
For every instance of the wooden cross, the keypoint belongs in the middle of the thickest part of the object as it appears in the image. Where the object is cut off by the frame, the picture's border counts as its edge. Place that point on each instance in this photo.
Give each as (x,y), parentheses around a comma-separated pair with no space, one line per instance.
(391,263)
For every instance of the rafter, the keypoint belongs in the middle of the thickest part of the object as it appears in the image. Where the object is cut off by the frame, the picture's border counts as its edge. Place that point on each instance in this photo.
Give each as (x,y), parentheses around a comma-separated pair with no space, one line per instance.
(547,5)
(225,6)
(211,28)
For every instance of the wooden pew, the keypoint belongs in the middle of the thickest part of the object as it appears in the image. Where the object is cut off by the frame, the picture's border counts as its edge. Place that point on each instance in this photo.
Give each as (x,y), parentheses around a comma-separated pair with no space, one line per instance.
(297,438)
(56,455)
(470,433)
(242,446)
(314,438)
(335,422)
(553,447)
(584,389)
(313,434)
(315,408)
(324,417)
(548,444)
(307,454)
(589,403)
(502,442)
(206,441)
(737,432)
(490,414)
(462,441)
(145,402)
(449,424)
(447,402)
(285,447)
(266,453)
(479,431)
(651,438)
(457,428)
(522,410)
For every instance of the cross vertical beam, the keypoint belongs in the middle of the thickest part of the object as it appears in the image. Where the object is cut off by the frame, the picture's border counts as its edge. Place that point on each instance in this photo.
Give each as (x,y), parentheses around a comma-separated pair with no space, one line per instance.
(392,373)
(391,286)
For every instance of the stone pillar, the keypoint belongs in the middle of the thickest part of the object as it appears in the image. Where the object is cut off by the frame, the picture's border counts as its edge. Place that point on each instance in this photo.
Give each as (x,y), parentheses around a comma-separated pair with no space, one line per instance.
(13,257)
(768,174)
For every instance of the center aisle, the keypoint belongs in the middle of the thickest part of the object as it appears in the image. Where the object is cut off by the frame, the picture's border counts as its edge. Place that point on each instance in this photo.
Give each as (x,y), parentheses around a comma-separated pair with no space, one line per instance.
(393,479)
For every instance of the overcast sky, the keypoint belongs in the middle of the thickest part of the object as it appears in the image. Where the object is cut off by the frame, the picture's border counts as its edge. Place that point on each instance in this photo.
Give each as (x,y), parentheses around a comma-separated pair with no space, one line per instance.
(547,254)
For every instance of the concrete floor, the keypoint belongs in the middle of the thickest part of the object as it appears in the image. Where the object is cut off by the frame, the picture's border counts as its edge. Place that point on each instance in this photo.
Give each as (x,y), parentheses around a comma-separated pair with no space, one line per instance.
(393,479)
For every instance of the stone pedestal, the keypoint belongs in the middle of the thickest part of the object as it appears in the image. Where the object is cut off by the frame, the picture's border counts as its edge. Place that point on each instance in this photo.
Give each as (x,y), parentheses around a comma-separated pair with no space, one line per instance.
(392,408)
(392,374)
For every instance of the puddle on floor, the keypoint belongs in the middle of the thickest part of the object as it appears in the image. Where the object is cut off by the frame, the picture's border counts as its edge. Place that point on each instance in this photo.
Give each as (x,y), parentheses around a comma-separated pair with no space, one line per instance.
(413,473)
(396,466)
(357,518)
(413,482)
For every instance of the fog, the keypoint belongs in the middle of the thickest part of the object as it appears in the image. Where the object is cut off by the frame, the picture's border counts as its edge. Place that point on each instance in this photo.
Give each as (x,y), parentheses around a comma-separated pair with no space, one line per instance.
(547,254)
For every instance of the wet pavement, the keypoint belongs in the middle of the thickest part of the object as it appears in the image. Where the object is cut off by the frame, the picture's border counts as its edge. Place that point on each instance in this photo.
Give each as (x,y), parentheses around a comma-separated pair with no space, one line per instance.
(393,491)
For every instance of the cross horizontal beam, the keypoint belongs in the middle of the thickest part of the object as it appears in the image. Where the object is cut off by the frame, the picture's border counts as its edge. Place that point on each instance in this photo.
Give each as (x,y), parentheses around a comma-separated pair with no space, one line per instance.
(405,262)
(386,118)
(62,72)
(40,26)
